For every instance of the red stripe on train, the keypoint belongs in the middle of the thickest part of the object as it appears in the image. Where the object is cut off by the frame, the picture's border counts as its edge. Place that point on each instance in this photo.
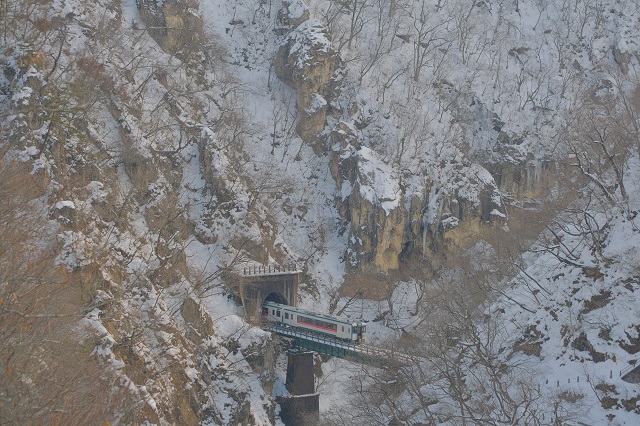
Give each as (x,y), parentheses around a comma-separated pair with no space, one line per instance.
(318,326)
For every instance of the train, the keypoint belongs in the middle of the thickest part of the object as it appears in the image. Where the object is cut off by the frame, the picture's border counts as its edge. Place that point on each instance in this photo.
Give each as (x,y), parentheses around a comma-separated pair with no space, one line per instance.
(339,328)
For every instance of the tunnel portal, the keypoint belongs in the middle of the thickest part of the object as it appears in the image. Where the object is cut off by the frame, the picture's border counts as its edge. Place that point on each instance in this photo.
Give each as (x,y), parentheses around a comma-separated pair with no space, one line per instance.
(277,284)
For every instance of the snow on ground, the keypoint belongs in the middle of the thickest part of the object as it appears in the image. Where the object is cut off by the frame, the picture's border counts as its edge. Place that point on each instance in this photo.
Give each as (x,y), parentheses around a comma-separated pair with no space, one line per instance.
(251,52)
(418,110)
(583,319)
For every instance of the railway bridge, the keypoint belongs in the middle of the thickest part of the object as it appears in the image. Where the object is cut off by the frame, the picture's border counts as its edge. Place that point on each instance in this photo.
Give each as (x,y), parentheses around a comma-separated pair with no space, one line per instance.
(302,406)
(279,284)
(360,353)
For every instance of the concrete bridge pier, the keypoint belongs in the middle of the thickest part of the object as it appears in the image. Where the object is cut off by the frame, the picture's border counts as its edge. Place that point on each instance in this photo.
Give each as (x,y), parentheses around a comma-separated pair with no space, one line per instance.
(302,406)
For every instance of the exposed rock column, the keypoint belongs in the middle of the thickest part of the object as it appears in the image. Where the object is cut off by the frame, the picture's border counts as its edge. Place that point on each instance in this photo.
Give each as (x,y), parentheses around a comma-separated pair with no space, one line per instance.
(307,62)
(173,24)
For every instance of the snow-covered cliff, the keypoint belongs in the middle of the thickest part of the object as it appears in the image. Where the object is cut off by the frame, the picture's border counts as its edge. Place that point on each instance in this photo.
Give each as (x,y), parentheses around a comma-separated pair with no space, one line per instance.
(460,174)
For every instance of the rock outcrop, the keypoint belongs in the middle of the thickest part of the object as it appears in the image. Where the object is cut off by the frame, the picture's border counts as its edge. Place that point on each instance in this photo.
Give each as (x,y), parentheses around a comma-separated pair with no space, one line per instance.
(384,224)
(622,58)
(173,24)
(198,322)
(307,62)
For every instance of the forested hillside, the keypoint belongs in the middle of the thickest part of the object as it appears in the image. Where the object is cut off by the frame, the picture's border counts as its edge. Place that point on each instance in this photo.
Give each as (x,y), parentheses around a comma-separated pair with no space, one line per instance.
(462,175)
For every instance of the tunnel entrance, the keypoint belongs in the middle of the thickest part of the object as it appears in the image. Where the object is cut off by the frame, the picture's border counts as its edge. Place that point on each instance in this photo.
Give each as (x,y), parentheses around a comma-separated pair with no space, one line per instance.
(279,287)
(276,298)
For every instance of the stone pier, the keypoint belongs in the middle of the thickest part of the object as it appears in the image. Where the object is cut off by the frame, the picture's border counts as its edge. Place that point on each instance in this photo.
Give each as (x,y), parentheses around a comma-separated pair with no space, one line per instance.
(302,406)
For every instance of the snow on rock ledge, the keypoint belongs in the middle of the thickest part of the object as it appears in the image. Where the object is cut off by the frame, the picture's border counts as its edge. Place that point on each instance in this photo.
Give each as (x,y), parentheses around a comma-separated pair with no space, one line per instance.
(292,14)
(385,223)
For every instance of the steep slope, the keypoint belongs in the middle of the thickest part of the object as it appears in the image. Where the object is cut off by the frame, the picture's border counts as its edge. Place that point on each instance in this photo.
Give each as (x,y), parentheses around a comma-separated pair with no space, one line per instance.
(575,314)
(167,143)
(113,126)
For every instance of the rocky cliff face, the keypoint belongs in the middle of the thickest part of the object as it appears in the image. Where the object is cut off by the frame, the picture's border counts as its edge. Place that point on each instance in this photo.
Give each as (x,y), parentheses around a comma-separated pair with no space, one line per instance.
(379,235)
(307,61)
(386,225)
(174,24)
(385,228)
(379,238)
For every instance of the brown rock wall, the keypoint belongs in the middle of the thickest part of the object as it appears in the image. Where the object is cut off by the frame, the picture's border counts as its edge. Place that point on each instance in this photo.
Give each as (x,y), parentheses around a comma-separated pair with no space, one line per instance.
(173,24)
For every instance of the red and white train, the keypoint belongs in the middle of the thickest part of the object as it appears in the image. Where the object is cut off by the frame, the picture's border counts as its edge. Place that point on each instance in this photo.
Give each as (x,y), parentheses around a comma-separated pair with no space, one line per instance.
(339,328)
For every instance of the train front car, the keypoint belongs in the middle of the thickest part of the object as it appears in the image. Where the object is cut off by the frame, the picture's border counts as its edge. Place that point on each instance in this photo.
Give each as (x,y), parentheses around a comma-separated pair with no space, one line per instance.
(269,312)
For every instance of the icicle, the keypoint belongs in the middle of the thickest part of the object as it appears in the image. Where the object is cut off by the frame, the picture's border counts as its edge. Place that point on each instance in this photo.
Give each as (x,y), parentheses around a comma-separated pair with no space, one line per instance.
(424,235)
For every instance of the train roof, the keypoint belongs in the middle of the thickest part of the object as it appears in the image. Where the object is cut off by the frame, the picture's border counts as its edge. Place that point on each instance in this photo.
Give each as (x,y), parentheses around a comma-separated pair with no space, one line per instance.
(315,314)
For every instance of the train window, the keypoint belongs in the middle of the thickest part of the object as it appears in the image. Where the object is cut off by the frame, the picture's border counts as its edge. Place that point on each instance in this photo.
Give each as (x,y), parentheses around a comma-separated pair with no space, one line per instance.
(286,315)
(278,313)
(316,322)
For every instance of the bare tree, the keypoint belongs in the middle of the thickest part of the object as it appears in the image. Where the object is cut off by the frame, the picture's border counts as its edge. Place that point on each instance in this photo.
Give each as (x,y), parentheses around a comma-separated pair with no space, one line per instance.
(431,37)
(356,12)
(48,372)
(599,146)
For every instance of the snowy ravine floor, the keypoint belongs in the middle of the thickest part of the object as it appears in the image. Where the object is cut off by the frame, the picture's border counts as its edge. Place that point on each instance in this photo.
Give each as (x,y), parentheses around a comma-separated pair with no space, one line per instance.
(584,320)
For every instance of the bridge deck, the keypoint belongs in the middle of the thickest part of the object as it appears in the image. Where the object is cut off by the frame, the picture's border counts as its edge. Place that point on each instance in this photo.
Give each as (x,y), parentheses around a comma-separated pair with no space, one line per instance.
(361,352)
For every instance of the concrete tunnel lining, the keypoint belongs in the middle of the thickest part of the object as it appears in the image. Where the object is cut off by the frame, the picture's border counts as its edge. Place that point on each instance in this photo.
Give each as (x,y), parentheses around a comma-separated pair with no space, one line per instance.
(276,297)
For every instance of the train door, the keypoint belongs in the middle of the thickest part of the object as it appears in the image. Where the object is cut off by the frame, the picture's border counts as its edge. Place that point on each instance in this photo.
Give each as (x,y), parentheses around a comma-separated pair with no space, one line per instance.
(361,330)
